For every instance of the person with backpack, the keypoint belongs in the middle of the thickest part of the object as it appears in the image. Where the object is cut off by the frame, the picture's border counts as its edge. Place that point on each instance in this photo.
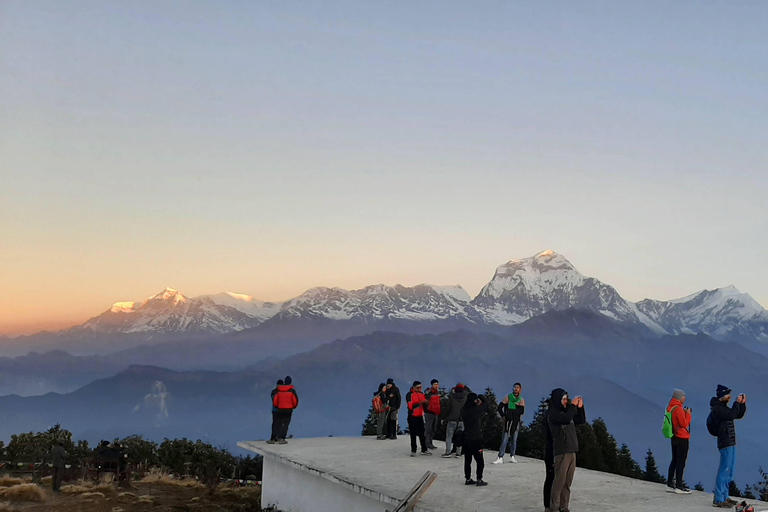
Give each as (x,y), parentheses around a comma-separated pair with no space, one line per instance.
(286,400)
(677,427)
(472,413)
(275,421)
(394,399)
(416,402)
(380,407)
(453,417)
(432,414)
(563,417)
(720,424)
(511,410)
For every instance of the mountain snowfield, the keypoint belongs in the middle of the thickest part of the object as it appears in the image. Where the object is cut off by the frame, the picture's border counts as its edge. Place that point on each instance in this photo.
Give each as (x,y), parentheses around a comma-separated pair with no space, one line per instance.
(519,290)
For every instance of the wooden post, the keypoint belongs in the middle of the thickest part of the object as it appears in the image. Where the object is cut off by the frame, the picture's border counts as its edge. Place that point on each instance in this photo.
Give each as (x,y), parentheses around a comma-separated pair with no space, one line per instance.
(415,494)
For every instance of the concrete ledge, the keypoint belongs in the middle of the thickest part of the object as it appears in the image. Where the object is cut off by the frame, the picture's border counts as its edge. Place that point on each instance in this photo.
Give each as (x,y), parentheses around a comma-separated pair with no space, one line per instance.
(361,474)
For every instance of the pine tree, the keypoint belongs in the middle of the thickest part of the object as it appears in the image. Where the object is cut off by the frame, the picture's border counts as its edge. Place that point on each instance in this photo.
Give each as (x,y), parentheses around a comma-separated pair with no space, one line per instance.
(370,423)
(531,440)
(626,464)
(590,455)
(749,492)
(762,486)
(698,487)
(733,489)
(651,472)
(608,446)
(490,422)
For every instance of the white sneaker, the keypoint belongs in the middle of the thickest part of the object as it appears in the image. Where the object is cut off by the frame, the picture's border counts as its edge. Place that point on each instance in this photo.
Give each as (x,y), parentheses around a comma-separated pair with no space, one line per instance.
(498,460)
(513,459)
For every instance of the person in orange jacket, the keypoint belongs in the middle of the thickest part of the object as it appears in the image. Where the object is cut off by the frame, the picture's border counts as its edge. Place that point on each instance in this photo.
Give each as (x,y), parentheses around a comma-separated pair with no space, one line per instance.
(286,400)
(416,402)
(432,413)
(681,429)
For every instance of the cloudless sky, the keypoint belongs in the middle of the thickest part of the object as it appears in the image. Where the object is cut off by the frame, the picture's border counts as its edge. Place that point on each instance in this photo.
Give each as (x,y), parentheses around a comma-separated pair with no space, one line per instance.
(268,147)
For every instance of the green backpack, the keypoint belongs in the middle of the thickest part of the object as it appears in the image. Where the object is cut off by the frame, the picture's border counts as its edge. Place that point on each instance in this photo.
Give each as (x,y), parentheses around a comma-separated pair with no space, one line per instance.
(666,427)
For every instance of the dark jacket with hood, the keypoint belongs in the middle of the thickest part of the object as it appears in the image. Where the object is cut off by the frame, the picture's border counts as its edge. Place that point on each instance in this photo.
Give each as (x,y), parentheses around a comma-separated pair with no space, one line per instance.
(472,415)
(562,423)
(456,400)
(723,417)
(395,398)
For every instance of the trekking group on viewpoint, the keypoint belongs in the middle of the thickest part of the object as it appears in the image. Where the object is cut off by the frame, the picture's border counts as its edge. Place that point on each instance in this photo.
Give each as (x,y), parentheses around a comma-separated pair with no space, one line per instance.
(464,410)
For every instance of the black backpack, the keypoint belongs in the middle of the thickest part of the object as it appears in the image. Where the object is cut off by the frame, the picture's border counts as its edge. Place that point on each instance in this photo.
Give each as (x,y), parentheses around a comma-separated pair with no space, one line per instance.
(712,426)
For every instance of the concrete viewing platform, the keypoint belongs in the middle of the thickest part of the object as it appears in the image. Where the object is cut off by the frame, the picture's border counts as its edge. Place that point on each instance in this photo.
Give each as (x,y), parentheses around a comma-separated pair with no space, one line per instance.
(361,474)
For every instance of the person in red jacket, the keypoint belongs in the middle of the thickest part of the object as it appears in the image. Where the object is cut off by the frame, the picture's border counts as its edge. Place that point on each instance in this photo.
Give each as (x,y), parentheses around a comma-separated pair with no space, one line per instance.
(681,429)
(416,402)
(432,414)
(286,400)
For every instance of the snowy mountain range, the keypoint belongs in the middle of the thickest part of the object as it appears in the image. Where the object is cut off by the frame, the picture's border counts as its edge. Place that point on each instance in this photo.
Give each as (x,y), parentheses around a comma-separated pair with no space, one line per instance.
(519,290)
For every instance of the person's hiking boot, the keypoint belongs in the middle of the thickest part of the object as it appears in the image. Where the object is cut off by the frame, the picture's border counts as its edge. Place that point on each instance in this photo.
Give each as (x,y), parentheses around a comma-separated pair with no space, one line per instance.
(481,482)
(271,441)
(425,452)
(469,481)
(683,490)
(721,504)
(670,488)
(498,460)
(732,502)
(282,441)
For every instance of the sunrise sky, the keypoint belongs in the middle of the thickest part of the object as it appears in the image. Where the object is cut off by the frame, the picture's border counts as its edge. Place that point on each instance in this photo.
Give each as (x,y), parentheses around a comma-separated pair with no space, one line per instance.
(268,147)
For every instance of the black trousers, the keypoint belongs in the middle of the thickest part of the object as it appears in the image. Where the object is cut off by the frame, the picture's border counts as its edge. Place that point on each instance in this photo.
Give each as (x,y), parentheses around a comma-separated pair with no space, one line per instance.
(275,423)
(56,478)
(283,420)
(549,467)
(416,428)
(473,449)
(677,466)
(392,428)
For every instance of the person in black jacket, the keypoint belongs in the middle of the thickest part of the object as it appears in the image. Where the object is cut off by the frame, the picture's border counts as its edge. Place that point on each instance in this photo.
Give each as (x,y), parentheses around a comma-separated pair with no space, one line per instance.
(395,399)
(275,420)
(473,437)
(549,447)
(722,417)
(563,416)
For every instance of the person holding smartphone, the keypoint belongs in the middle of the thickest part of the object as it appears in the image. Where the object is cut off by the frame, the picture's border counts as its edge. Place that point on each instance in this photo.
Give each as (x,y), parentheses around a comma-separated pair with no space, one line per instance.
(723,417)
(562,420)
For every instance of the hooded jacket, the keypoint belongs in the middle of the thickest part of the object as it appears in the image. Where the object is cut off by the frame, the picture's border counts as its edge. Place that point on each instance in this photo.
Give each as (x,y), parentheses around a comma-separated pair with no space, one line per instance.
(456,400)
(395,398)
(285,398)
(681,419)
(562,424)
(471,416)
(723,417)
(413,400)
(433,397)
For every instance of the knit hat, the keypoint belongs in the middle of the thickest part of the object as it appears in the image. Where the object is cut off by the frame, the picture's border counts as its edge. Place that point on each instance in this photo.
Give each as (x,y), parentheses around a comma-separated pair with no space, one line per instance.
(460,385)
(678,394)
(722,391)
(390,381)
(288,380)
(280,382)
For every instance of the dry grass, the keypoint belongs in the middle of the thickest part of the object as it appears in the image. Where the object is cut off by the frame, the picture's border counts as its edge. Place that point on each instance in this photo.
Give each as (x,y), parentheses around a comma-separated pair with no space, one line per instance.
(6,507)
(46,481)
(146,499)
(23,492)
(8,481)
(74,489)
(93,495)
(127,495)
(159,477)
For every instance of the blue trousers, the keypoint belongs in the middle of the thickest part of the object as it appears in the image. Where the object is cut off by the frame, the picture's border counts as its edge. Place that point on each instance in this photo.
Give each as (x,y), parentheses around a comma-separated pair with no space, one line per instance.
(725,473)
(505,438)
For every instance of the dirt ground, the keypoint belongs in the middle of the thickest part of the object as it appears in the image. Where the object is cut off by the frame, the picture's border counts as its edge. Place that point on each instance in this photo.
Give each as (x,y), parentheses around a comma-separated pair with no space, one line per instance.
(142,497)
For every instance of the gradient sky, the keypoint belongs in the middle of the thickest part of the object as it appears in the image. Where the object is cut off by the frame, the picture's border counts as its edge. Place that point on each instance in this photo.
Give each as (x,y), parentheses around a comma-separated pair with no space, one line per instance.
(268,147)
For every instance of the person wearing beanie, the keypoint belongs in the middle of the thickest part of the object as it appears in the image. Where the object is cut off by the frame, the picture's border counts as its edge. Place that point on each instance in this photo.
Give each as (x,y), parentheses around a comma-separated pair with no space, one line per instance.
(394,399)
(380,410)
(511,410)
(432,413)
(472,413)
(681,435)
(273,437)
(452,416)
(416,402)
(286,400)
(722,418)
(563,416)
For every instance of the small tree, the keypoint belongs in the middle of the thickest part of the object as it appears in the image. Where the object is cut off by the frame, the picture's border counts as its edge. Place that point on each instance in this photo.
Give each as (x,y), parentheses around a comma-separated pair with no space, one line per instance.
(608,446)
(733,489)
(749,492)
(698,487)
(590,455)
(370,423)
(651,472)
(626,464)
(490,422)
(532,438)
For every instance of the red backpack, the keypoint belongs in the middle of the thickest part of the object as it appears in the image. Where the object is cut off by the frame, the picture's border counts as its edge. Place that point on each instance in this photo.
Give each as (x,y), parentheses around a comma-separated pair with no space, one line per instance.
(378,405)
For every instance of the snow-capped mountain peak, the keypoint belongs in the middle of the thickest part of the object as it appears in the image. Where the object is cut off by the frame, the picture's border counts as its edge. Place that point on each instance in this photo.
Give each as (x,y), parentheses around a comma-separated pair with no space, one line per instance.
(123,307)
(171,295)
